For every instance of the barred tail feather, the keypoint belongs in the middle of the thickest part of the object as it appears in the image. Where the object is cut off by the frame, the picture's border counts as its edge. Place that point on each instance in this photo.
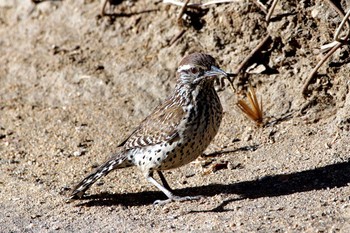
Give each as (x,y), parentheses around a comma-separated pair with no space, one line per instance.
(103,170)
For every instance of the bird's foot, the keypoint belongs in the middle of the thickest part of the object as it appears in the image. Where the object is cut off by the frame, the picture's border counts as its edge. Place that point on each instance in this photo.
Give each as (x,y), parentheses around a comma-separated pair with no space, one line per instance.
(176,198)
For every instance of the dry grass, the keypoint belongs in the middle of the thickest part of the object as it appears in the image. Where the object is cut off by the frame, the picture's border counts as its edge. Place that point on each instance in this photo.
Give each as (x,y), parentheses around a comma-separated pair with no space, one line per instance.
(253,110)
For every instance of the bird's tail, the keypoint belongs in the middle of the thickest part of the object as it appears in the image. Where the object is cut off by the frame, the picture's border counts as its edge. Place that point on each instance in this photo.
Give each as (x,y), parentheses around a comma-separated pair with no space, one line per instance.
(111,164)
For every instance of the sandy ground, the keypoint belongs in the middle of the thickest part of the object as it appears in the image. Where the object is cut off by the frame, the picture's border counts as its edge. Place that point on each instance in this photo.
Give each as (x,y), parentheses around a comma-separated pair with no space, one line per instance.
(74,84)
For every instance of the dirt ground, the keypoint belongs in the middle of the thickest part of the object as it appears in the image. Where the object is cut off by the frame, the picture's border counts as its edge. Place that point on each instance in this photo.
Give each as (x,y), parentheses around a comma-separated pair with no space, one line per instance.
(74,84)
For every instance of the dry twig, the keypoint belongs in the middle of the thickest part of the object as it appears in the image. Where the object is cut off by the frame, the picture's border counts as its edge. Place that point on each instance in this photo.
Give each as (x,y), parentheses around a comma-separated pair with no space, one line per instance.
(319,64)
(272,8)
(182,12)
(339,29)
(252,53)
(246,60)
(218,2)
(177,36)
(103,11)
(337,39)
(338,10)
(110,2)
(198,5)
(230,81)
(180,23)
(333,46)
(178,3)
(261,6)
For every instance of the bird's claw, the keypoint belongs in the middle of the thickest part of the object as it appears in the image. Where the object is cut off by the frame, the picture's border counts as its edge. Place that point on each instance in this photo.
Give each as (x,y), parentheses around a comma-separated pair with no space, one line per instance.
(176,198)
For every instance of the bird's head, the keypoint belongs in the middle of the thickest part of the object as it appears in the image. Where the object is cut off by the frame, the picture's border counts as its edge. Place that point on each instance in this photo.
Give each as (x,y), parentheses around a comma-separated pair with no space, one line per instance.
(198,68)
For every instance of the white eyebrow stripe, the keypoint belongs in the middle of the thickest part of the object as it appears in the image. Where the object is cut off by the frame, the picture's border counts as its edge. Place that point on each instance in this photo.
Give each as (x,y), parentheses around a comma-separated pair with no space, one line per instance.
(184,67)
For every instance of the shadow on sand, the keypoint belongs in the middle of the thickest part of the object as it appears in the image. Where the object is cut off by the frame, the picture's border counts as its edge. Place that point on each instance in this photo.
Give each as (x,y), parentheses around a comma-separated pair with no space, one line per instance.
(330,176)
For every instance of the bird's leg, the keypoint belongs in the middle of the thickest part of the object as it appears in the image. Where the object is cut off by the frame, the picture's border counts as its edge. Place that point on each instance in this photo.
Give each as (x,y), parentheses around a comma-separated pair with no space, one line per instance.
(165,183)
(168,193)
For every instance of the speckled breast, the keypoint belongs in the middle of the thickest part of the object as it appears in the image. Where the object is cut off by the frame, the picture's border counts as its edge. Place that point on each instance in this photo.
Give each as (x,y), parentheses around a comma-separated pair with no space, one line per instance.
(200,127)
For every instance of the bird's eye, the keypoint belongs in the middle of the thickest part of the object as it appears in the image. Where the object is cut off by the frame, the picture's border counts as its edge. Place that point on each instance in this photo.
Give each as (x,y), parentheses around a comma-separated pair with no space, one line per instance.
(194,70)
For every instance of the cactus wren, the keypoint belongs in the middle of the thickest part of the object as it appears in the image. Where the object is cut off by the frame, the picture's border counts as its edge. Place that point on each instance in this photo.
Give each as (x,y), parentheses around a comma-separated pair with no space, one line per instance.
(177,131)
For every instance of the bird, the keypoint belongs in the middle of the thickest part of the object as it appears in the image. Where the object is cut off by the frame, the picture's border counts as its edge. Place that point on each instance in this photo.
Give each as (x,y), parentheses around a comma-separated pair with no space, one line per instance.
(175,133)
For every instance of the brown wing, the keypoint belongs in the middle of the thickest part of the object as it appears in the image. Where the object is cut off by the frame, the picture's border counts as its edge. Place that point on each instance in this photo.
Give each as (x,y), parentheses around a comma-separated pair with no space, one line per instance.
(160,126)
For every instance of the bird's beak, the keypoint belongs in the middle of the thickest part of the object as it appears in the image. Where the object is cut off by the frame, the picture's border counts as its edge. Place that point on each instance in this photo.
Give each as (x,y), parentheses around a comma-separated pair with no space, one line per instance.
(214,71)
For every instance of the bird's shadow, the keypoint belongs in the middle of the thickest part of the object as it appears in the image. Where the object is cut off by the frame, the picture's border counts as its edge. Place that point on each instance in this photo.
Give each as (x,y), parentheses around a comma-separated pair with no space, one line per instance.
(330,176)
